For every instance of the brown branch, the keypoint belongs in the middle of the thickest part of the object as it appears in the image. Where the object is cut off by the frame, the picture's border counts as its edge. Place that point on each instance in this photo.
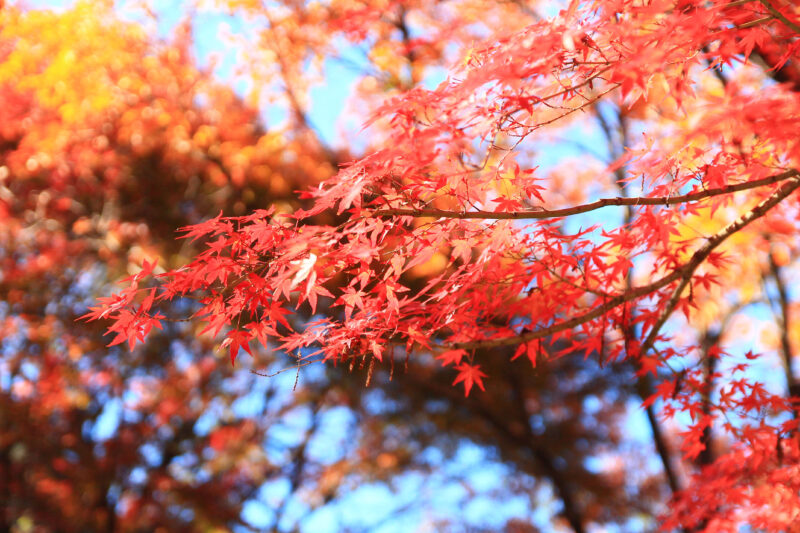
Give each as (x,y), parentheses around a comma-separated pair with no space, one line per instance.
(514,434)
(784,325)
(682,274)
(645,390)
(644,385)
(662,449)
(780,16)
(709,340)
(296,107)
(736,3)
(788,73)
(585,208)
(299,460)
(700,255)
(754,23)
(410,53)
(571,508)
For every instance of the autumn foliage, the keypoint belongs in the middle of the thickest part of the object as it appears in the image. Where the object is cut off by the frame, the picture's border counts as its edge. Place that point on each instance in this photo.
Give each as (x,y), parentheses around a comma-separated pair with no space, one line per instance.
(104,150)
(547,208)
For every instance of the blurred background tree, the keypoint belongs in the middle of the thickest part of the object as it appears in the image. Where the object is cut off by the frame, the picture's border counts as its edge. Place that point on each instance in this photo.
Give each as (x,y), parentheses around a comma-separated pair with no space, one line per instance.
(112,138)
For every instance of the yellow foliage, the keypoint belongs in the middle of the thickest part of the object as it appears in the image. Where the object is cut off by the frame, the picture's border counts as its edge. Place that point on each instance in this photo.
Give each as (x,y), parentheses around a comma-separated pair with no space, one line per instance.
(433,266)
(76,77)
(741,275)
(386,57)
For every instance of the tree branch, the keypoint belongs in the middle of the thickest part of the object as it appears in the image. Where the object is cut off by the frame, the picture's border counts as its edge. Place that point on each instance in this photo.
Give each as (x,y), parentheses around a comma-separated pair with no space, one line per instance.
(701,254)
(410,53)
(299,113)
(709,340)
(784,325)
(571,510)
(585,208)
(644,385)
(780,16)
(660,442)
(682,274)
(514,434)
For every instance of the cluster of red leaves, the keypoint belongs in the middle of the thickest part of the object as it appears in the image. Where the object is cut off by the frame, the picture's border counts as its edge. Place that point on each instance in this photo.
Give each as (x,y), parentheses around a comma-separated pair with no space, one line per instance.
(505,283)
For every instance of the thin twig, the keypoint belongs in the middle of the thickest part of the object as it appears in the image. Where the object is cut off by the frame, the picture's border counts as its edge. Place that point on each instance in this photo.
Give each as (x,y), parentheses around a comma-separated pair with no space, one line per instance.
(736,3)
(756,22)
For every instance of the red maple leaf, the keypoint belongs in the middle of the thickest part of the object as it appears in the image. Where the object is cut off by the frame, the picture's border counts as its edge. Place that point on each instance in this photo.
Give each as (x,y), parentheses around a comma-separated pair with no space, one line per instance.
(469,375)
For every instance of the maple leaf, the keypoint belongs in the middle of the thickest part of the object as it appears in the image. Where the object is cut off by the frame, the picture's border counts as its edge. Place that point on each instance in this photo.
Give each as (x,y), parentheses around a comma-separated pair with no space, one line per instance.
(530,349)
(469,375)
(451,357)
(304,269)
(237,339)
(462,249)
(507,204)
(648,365)
(208,227)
